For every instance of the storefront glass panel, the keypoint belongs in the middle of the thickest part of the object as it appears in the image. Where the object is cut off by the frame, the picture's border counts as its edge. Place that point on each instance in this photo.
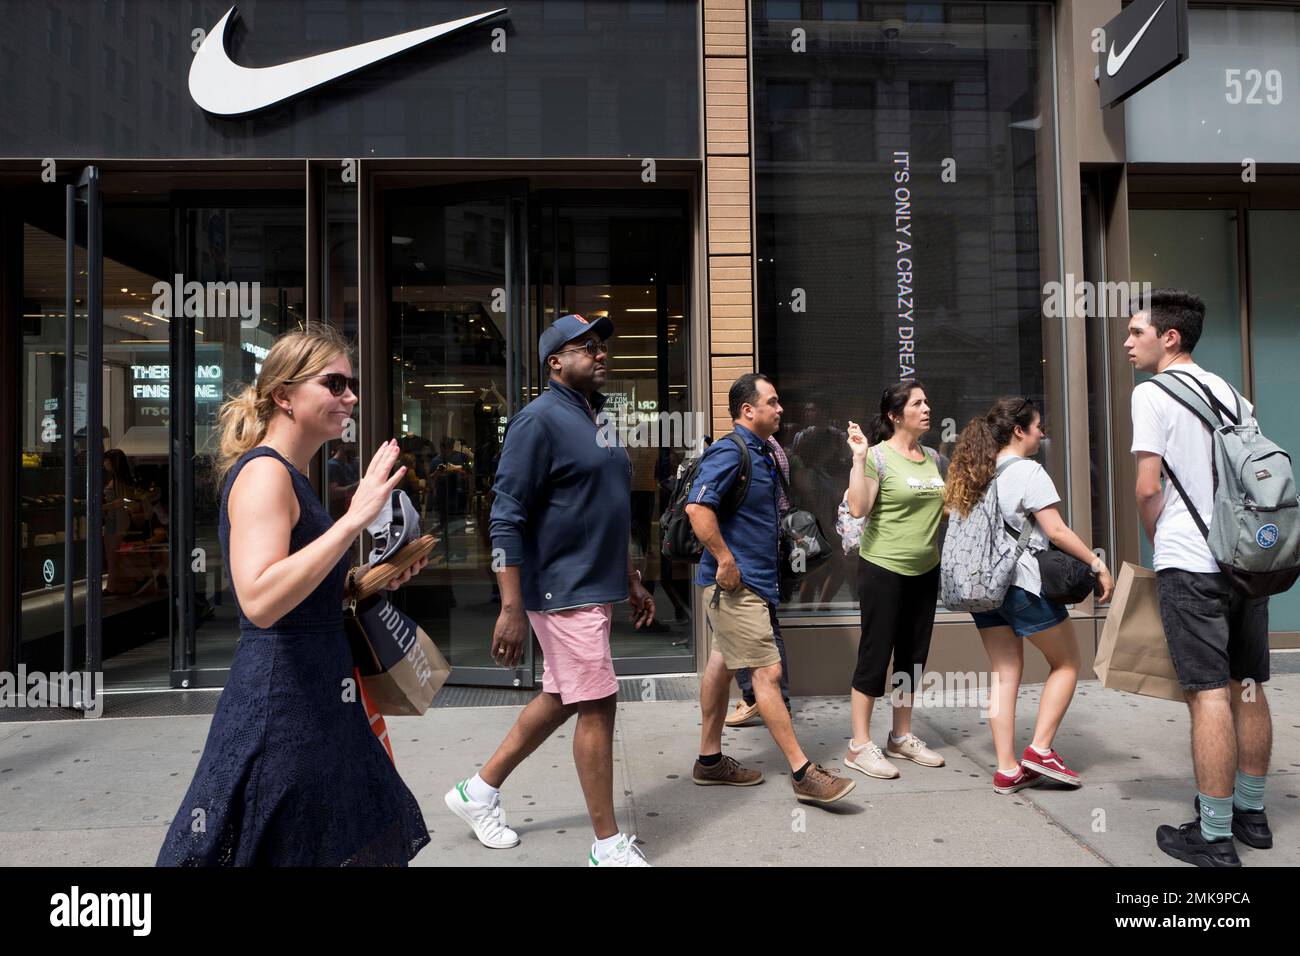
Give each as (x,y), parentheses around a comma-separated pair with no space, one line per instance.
(905,185)
(1274,337)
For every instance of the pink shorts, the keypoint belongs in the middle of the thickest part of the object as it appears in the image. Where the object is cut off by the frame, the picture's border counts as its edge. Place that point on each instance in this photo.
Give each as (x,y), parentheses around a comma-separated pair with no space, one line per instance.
(575,646)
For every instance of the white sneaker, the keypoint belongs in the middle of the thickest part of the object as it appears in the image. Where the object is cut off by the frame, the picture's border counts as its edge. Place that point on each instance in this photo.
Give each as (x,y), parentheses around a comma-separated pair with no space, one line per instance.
(487,820)
(913,748)
(869,760)
(625,853)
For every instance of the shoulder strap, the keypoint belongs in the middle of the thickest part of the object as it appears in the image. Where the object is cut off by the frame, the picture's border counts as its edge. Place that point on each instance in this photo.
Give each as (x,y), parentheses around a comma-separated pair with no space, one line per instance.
(1191,508)
(1206,416)
(1022,536)
(785,485)
(878,459)
(1210,397)
(736,494)
(1189,398)
(1007,463)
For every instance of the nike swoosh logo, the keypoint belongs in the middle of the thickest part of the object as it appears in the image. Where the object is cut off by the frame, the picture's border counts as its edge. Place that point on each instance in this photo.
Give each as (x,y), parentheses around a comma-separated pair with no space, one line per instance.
(1115,63)
(221,86)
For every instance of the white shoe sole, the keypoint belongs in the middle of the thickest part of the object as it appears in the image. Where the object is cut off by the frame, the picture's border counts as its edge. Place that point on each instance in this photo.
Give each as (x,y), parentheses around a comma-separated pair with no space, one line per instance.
(879,776)
(457,806)
(1053,774)
(1018,787)
(919,763)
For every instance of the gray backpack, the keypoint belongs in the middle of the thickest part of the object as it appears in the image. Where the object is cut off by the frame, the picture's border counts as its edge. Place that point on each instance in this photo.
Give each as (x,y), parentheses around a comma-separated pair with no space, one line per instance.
(979,559)
(1254,530)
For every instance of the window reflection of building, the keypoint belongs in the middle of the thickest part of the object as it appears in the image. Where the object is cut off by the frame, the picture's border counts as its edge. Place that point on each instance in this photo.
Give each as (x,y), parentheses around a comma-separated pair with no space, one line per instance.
(850,141)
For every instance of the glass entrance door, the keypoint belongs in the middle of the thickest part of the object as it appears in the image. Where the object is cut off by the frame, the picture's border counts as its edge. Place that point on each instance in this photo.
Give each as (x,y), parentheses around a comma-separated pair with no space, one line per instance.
(474,273)
(456,277)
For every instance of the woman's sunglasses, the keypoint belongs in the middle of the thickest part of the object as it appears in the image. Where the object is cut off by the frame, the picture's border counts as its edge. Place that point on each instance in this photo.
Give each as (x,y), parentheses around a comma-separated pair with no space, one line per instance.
(337,382)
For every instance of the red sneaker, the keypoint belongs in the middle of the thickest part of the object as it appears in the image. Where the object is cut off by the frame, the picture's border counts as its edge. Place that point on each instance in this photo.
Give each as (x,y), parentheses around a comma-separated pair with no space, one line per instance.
(1050,765)
(1004,783)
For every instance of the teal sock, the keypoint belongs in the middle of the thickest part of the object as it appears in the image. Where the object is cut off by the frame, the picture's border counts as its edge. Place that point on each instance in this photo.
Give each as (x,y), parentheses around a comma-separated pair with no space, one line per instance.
(1248,794)
(1216,817)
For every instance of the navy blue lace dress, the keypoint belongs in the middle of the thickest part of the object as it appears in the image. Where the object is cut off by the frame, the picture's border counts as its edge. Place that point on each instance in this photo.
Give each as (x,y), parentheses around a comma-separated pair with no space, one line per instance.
(291,774)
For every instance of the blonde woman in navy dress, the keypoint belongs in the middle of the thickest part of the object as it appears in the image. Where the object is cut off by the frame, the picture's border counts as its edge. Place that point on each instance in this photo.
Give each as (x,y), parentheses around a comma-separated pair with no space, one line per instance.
(292,774)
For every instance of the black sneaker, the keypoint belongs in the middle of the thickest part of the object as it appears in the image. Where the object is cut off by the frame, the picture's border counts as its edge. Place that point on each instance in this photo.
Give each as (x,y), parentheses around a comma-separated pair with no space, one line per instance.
(1187,844)
(1248,826)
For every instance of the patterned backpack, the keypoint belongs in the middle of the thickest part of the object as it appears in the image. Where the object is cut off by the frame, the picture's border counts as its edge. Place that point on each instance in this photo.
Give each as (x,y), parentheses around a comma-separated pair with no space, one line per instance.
(979,559)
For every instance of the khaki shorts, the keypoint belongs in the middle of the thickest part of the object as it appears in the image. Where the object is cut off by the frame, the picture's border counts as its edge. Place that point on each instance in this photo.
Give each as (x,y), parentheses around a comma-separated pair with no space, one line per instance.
(742,628)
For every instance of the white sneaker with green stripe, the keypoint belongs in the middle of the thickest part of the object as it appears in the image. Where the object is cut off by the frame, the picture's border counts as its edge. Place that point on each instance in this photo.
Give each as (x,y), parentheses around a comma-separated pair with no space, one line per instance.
(487,820)
(625,853)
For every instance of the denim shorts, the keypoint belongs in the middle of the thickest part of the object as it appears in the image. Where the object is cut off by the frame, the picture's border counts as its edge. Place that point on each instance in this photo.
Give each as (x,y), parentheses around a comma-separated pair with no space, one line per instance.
(1214,632)
(1023,612)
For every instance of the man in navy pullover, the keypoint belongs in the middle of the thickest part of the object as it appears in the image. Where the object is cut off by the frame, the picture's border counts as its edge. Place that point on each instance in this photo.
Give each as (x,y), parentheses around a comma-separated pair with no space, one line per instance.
(561,520)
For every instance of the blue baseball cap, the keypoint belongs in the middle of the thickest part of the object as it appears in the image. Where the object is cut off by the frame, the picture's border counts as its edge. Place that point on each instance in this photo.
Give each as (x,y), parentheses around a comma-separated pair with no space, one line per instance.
(566,329)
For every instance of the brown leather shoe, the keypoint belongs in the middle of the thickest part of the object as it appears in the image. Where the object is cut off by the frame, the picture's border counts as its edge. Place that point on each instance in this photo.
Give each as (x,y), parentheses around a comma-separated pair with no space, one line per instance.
(820,785)
(742,714)
(725,773)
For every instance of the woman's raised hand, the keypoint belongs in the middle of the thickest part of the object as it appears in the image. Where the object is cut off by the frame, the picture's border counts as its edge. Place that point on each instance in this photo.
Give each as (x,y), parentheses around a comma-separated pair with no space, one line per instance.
(857,441)
(375,490)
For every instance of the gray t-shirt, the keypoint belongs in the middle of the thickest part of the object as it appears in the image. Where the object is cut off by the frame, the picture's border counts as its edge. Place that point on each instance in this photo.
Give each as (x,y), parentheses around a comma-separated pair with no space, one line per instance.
(1025,487)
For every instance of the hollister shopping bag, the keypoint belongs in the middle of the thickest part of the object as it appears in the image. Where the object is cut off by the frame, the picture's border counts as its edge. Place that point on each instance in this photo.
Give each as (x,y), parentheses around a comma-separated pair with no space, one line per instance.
(401,669)
(1132,654)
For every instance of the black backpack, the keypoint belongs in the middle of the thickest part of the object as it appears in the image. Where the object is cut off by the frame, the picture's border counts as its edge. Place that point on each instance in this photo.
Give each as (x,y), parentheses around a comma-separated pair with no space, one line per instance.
(677,538)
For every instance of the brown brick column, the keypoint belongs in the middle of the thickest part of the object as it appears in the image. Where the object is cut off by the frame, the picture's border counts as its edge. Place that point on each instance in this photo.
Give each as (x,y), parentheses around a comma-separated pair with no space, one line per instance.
(727,199)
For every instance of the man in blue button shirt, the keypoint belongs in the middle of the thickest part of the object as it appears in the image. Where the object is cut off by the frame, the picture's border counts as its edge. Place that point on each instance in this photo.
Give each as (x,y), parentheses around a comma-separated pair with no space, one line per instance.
(561,521)
(740,572)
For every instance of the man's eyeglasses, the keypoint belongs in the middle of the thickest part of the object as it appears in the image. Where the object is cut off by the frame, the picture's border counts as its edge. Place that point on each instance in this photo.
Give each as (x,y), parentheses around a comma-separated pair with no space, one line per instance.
(336,382)
(590,346)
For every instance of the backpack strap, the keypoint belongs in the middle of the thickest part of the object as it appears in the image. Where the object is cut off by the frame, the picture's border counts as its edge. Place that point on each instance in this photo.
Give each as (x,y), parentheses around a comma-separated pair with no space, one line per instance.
(1187,500)
(1190,398)
(878,459)
(1023,535)
(1209,417)
(1210,397)
(736,493)
(1007,463)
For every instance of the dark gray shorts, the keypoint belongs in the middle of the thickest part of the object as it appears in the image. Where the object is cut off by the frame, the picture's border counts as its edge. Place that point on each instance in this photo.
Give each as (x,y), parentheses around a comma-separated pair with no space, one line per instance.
(1215,633)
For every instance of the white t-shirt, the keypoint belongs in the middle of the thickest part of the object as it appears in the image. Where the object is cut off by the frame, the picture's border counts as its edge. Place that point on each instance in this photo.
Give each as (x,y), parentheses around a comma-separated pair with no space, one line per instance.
(1163,426)
(1025,487)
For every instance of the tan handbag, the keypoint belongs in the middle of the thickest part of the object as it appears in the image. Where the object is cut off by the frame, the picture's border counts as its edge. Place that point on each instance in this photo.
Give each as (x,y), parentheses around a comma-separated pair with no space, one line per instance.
(1132,654)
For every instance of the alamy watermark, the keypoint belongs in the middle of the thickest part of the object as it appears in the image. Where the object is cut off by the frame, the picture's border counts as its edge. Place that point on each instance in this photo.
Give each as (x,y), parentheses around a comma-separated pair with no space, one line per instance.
(221,300)
(633,429)
(82,690)
(934,689)
(1090,300)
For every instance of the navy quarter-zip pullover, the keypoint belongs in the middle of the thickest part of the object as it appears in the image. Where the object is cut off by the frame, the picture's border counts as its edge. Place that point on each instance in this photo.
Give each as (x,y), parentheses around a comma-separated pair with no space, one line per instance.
(563,507)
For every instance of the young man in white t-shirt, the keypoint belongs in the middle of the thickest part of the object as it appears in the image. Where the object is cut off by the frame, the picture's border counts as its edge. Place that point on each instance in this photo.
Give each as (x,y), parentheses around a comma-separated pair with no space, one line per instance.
(1217,637)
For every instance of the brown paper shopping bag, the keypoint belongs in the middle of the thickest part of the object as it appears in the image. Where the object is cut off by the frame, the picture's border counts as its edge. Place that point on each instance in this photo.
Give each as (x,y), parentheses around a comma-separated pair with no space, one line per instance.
(400,667)
(1132,654)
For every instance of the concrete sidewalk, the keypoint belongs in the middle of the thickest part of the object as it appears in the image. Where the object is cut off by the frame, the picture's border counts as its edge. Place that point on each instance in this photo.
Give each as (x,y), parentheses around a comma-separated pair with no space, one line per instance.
(93,793)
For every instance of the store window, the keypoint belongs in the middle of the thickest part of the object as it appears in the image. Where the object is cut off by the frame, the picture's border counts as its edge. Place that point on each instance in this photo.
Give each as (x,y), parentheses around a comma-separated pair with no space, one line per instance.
(900,166)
